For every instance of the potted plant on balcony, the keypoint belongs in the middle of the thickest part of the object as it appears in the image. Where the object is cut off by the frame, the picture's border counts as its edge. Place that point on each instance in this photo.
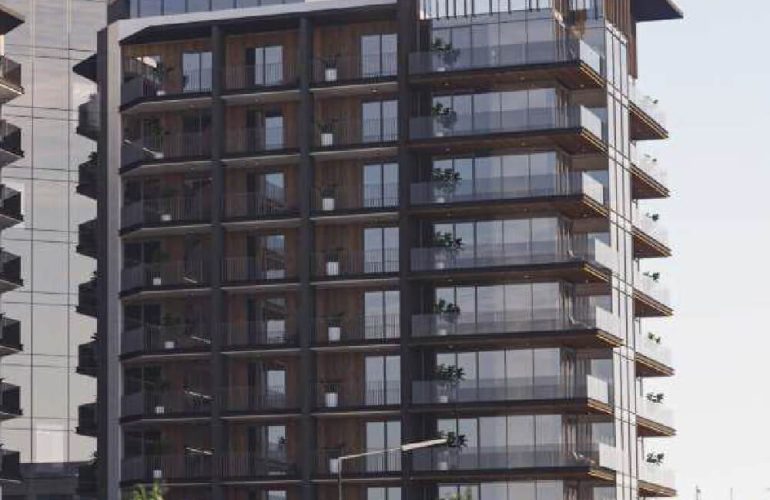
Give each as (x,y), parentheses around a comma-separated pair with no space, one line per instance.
(655,458)
(447,247)
(445,183)
(446,53)
(333,455)
(330,64)
(447,314)
(333,258)
(331,395)
(334,328)
(454,446)
(140,493)
(328,195)
(654,276)
(326,129)
(448,377)
(444,116)
(158,258)
(655,397)
(654,338)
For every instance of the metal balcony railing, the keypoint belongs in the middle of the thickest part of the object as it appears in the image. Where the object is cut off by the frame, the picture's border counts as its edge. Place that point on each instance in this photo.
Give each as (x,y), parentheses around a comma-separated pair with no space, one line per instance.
(508,188)
(254,399)
(155,338)
(513,121)
(334,395)
(258,140)
(164,403)
(269,333)
(381,464)
(167,147)
(261,76)
(256,269)
(168,211)
(498,56)
(151,468)
(192,273)
(512,321)
(509,389)
(270,203)
(342,198)
(333,132)
(147,85)
(346,68)
(357,328)
(270,463)
(341,263)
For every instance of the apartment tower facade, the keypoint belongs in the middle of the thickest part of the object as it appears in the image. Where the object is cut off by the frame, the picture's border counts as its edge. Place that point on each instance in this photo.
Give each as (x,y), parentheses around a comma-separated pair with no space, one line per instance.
(337,226)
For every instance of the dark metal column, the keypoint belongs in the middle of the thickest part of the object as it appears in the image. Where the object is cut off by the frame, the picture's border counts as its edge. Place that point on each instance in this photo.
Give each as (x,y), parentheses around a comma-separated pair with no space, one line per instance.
(304,250)
(218,441)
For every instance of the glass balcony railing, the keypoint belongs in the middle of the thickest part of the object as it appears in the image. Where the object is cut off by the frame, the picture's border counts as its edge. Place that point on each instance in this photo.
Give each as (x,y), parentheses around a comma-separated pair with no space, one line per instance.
(497,56)
(180,466)
(655,412)
(261,76)
(649,225)
(647,104)
(509,389)
(167,147)
(649,165)
(656,474)
(652,348)
(255,399)
(334,395)
(508,188)
(269,333)
(514,457)
(168,211)
(341,263)
(511,121)
(349,198)
(511,254)
(165,403)
(154,338)
(191,273)
(513,321)
(147,8)
(357,328)
(270,463)
(648,284)
(359,67)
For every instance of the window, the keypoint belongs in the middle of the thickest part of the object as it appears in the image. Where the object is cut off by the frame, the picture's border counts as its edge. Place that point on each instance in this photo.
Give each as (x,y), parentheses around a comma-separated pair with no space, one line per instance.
(381,315)
(383,380)
(383,436)
(196,71)
(379,121)
(266,256)
(381,250)
(380,187)
(264,65)
(378,55)
(381,493)
(264,130)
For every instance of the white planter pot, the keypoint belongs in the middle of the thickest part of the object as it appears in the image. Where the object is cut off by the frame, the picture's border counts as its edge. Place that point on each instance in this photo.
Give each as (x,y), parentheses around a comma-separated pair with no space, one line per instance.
(334,466)
(157,155)
(441,68)
(331,399)
(443,465)
(439,133)
(327,139)
(334,333)
(169,344)
(160,92)
(157,281)
(165,218)
(327,204)
(160,410)
(440,198)
(442,398)
(330,74)
(157,474)
(333,268)
(442,331)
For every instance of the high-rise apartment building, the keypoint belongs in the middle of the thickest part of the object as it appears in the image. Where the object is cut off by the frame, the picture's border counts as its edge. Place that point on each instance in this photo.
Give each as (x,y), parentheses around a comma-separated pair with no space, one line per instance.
(337,226)
(55,36)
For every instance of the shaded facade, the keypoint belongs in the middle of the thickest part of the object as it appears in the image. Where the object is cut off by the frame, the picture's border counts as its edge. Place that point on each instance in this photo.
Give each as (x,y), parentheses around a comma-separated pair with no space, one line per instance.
(338,226)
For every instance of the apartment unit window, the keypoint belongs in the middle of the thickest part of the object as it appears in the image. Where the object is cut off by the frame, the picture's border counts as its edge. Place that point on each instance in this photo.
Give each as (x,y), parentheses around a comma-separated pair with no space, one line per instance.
(265,193)
(378,55)
(382,380)
(268,316)
(267,385)
(519,490)
(382,493)
(274,495)
(266,256)
(268,443)
(264,130)
(196,71)
(264,65)
(383,436)
(539,369)
(381,314)
(381,250)
(379,121)
(196,135)
(380,185)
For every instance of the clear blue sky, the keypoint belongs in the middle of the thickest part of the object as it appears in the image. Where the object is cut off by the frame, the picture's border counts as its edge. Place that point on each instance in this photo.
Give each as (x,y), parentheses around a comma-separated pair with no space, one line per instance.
(712,74)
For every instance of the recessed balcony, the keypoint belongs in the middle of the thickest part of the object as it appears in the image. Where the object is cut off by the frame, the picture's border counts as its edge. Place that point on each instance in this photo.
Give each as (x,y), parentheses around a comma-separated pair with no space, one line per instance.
(272,78)
(166,405)
(656,481)
(89,118)
(345,330)
(342,397)
(268,335)
(334,134)
(575,129)
(10,336)
(272,464)
(652,358)
(10,79)
(87,239)
(153,89)
(182,467)
(648,121)
(166,148)
(87,425)
(339,201)
(10,207)
(243,401)
(568,60)
(165,276)
(347,70)
(10,143)
(650,237)
(87,301)
(10,401)
(654,419)
(268,205)
(175,337)
(179,212)
(87,359)
(341,264)
(244,271)
(10,469)
(10,271)
(652,299)
(387,464)
(649,178)
(266,141)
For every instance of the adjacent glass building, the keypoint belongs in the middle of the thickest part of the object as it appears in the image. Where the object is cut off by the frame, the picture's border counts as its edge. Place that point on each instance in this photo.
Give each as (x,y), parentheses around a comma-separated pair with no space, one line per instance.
(333,227)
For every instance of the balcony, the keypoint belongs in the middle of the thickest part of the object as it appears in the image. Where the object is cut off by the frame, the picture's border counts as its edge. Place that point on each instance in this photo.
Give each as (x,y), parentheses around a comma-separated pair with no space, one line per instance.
(268,205)
(654,419)
(651,238)
(387,464)
(339,200)
(265,335)
(147,8)
(648,121)
(10,143)
(652,358)
(87,359)
(10,207)
(87,485)
(567,60)
(274,463)
(354,69)
(87,239)
(154,91)
(345,330)
(10,79)
(253,400)
(10,401)
(89,118)
(652,298)
(173,338)
(335,133)
(334,397)
(178,275)
(253,78)
(525,326)
(10,336)
(509,256)
(87,425)
(10,271)
(591,391)
(181,467)
(164,405)
(87,177)
(10,470)
(341,264)
(87,302)
(259,141)
(577,194)
(172,147)
(502,458)
(656,481)
(574,129)
(254,270)
(650,179)
(176,211)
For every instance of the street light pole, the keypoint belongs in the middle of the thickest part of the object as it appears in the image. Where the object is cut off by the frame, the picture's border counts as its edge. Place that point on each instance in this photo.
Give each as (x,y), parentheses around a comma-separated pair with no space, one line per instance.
(404,448)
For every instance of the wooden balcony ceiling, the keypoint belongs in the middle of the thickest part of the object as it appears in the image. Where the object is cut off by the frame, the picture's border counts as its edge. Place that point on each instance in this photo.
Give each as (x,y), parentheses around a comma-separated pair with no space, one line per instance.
(646,246)
(650,428)
(644,187)
(648,367)
(644,127)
